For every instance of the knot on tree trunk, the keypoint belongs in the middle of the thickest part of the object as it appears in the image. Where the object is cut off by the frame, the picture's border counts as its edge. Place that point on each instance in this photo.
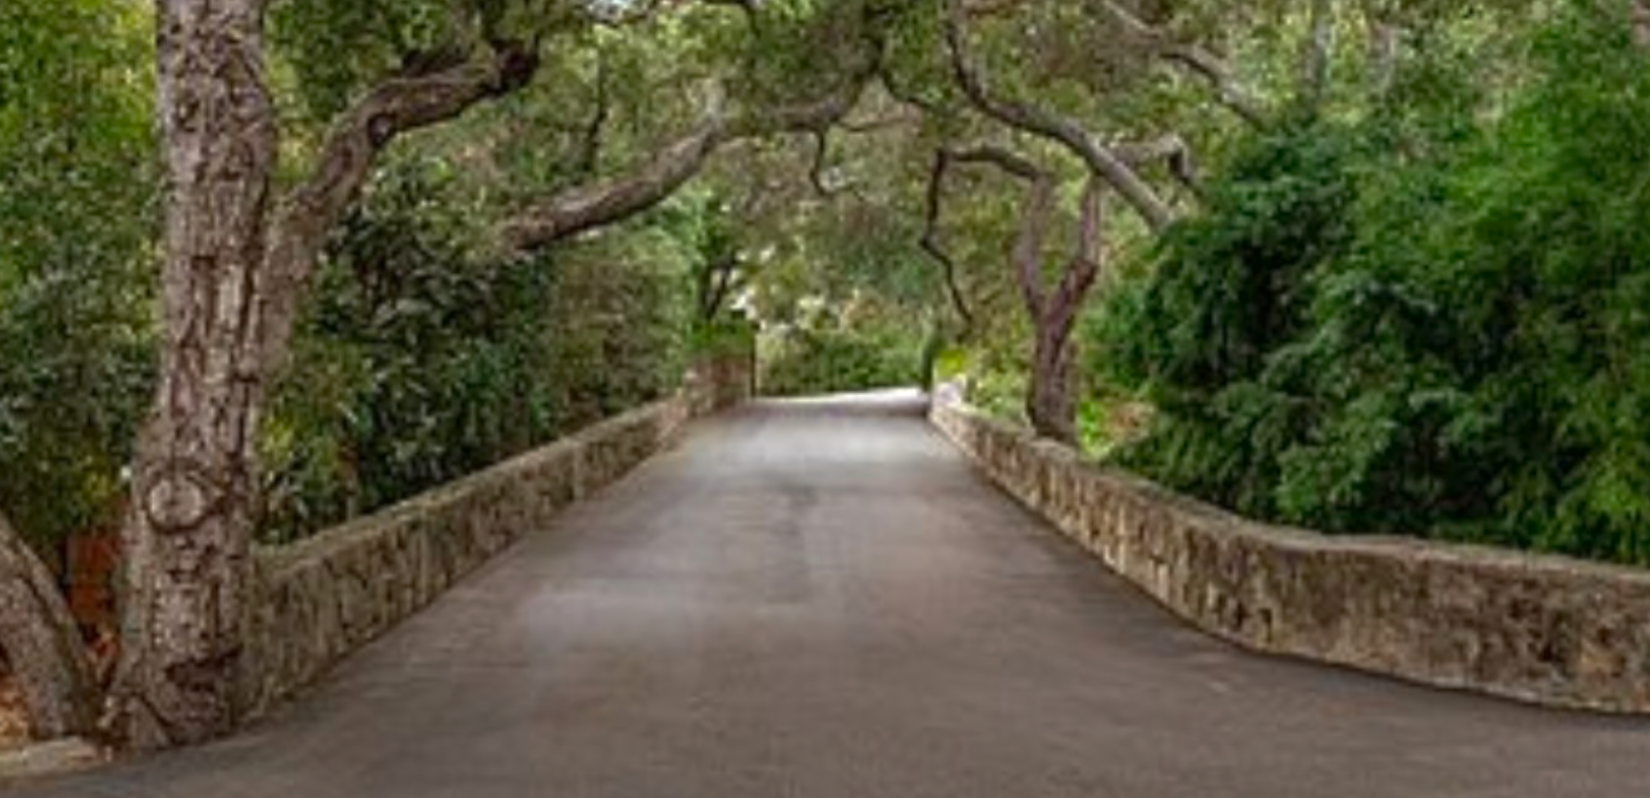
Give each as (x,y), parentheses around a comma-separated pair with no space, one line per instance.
(180,496)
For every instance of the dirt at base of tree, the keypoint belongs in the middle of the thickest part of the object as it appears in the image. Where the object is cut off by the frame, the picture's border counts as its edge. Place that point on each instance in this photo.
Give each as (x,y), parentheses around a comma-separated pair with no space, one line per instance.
(14,722)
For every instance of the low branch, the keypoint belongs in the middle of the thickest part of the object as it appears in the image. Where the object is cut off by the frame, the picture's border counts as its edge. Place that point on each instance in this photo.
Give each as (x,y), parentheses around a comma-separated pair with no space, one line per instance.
(1174,152)
(396,106)
(1044,123)
(1197,60)
(588,207)
(931,239)
(1086,260)
(1027,255)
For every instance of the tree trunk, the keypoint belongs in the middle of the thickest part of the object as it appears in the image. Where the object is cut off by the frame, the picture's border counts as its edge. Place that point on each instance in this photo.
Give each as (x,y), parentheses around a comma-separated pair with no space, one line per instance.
(40,642)
(1051,402)
(232,283)
(188,534)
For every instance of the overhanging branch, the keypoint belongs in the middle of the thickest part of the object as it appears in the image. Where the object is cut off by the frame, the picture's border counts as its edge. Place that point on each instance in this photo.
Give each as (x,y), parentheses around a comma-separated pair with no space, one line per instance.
(396,106)
(931,239)
(1199,61)
(1047,124)
(1027,256)
(588,207)
(1173,152)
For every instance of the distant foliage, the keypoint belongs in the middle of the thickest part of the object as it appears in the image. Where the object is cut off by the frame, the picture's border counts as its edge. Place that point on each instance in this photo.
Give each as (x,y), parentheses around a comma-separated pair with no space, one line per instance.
(802,362)
(1398,326)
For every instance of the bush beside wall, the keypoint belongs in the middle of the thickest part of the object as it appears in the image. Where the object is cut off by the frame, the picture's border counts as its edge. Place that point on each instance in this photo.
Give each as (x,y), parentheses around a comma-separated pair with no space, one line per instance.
(322,598)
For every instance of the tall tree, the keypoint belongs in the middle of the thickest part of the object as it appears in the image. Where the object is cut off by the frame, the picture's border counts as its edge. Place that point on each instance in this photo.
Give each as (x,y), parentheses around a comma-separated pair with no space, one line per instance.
(237,259)
(1051,395)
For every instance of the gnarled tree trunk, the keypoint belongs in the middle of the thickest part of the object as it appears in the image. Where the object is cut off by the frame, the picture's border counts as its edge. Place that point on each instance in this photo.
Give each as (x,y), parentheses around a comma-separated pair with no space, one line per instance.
(235,273)
(1052,401)
(38,636)
(1051,398)
(188,537)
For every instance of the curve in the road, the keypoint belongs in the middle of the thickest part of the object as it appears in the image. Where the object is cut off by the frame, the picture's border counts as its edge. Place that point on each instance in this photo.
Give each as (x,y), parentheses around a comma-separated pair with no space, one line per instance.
(820,599)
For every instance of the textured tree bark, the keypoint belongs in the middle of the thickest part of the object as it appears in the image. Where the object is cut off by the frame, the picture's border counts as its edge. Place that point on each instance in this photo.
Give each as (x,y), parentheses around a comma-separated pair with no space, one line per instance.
(189,532)
(40,642)
(1051,400)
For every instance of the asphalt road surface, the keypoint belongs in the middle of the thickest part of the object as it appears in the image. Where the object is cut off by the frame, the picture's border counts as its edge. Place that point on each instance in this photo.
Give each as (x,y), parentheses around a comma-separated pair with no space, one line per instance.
(821,599)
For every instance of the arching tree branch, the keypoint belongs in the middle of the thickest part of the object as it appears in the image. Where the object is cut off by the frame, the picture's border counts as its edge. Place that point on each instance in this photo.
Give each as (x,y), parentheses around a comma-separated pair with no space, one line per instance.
(1197,60)
(1047,124)
(394,107)
(587,207)
(1034,221)
(931,239)
(1172,151)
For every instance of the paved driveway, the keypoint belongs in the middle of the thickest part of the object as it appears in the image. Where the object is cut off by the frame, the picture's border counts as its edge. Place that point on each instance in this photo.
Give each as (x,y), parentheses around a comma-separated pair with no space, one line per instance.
(821,599)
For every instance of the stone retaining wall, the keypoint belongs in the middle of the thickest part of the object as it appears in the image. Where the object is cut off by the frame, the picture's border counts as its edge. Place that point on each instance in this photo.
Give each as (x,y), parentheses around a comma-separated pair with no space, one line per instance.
(320,599)
(1537,628)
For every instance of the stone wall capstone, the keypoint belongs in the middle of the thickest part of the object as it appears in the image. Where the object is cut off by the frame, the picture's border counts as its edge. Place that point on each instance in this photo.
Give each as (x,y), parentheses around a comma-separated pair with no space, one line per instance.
(1536,628)
(318,600)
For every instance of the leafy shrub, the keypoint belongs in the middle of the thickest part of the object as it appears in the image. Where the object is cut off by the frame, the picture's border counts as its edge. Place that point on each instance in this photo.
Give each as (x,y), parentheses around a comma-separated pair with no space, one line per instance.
(1454,341)
(1230,287)
(422,359)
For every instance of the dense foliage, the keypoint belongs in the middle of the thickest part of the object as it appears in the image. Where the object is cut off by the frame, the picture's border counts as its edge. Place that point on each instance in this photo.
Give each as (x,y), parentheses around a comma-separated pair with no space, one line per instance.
(1435,329)
(425,359)
(77,224)
(802,362)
